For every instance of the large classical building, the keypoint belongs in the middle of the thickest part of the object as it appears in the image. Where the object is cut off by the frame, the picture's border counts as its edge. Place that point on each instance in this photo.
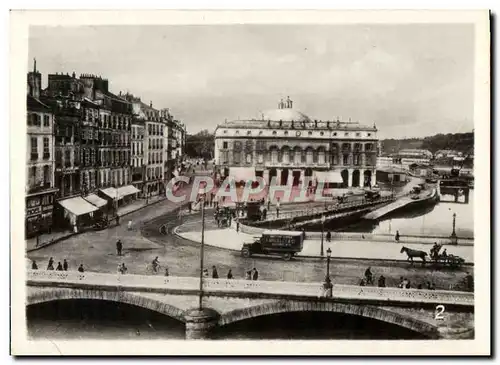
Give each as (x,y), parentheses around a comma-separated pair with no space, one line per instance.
(287,145)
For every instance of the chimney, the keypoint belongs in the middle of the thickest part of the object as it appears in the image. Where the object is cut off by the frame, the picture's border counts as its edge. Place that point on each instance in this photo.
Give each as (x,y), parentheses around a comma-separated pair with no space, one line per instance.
(34,65)
(150,104)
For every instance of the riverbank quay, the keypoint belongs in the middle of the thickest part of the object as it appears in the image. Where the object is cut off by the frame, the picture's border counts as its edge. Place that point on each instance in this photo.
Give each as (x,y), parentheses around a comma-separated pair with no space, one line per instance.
(353,247)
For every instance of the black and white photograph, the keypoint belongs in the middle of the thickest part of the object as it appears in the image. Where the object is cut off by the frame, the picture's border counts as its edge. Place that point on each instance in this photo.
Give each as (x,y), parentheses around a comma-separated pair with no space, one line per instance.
(251,179)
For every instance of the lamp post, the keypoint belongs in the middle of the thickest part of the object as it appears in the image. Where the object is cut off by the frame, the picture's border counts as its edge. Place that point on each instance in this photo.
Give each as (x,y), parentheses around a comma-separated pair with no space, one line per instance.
(322,233)
(200,304)
(453,237)
(328,256)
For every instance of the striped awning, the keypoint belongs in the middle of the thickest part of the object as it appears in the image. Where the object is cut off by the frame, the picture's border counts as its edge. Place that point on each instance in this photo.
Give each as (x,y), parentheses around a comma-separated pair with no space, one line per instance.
(95,200)
(77,206)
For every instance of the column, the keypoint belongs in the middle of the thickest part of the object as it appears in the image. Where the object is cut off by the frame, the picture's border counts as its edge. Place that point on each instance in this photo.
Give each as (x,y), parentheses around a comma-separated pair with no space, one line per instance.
(349,180)
(361,178)
(363,159)
(266,176)
(278,176)
(302,176)
(200,323)
(374,177)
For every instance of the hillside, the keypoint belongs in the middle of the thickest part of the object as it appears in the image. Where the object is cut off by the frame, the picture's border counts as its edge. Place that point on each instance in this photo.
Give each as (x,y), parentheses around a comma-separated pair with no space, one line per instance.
(462,142)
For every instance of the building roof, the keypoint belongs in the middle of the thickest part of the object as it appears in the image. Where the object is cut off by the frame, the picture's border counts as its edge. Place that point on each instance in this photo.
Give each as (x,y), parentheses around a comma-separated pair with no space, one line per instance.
(285,115)
(35,104)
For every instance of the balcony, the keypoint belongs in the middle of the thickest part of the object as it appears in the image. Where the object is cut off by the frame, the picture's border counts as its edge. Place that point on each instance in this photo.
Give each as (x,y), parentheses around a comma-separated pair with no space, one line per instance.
(38,187)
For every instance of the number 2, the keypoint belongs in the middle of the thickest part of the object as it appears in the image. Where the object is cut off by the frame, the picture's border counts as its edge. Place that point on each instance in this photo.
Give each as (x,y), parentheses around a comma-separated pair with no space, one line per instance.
(439,312)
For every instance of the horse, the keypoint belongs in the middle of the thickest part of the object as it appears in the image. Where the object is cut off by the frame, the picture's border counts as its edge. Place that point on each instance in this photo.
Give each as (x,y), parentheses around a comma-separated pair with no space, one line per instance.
(414,253)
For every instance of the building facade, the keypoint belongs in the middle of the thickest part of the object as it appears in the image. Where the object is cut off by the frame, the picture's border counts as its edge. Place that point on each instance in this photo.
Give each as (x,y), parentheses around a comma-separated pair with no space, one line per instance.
(137,153)
(287,145)
(40,189)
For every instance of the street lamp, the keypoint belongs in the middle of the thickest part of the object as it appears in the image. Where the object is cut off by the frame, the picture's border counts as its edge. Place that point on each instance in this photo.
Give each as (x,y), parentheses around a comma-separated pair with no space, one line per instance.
(328,256)
(453,237)
(322,233)
(200,305)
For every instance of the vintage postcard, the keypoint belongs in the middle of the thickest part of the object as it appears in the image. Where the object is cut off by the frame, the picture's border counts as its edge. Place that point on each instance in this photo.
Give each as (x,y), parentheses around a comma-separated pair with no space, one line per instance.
(256,182)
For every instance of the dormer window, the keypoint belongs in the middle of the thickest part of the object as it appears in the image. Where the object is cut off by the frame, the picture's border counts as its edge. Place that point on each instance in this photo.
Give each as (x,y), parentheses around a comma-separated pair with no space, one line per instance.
(249,133)
(274,133)
(346,134)
(335,133)
(286,133)
(358,134)
(310,133)
(237,132)
(260,133)
(321,133)
(369,134)
(225,131)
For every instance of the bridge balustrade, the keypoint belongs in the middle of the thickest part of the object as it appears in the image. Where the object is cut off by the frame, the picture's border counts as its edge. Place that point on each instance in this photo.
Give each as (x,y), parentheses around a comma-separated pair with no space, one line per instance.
(145,282)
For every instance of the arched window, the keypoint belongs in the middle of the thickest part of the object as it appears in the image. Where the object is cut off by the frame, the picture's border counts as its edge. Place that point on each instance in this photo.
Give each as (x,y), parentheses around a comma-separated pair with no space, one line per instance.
(274,155)
(297,156)
(309,156)
(260,157)
(249,158)
(285,155)
(321,155)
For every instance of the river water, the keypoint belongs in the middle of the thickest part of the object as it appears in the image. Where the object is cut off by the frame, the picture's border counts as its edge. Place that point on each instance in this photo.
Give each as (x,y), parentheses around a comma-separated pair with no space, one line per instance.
(434,220)
(98,320)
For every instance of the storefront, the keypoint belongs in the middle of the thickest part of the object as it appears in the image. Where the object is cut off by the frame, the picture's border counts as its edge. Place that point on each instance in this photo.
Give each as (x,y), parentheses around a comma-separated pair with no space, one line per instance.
(117,197)
(39,208)
(78,213)
(98,202)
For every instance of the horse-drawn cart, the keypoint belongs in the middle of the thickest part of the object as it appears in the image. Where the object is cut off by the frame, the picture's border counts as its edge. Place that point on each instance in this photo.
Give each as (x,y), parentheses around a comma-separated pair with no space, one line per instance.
(444,258)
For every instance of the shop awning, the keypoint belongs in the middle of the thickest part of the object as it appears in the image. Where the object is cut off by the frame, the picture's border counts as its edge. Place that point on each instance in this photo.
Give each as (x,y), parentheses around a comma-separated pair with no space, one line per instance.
(242,173)
(78,206)
(127,190)
(95,200)
(111,192)
(328,176)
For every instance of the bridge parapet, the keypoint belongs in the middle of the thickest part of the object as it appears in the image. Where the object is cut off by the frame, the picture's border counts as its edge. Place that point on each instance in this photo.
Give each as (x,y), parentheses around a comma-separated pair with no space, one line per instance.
(244,288)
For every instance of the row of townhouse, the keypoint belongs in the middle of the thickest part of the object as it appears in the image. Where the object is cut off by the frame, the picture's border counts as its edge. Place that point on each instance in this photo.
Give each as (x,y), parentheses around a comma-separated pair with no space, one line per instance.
(90,151)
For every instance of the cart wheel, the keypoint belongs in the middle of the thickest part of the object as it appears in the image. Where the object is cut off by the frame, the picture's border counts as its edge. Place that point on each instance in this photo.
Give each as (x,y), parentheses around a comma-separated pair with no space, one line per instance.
(245,252)
(287,256)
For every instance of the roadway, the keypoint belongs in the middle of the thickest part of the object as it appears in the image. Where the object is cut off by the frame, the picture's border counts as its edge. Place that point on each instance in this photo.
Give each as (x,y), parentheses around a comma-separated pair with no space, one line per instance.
(96,250)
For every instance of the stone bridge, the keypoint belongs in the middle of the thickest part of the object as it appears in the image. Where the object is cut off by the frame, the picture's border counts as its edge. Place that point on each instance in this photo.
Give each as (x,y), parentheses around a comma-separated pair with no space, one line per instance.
(228,301)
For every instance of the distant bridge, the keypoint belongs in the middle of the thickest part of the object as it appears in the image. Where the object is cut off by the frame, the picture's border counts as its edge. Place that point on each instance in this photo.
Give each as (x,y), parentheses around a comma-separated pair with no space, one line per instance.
(227,301)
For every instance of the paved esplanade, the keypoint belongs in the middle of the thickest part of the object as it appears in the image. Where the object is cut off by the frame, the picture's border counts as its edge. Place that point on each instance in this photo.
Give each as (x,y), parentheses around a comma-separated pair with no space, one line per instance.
(228,238)
(227,301)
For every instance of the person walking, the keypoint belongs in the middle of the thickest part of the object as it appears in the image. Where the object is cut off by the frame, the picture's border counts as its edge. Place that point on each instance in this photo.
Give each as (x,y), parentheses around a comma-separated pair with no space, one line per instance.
(397,236)
(248,275)
(65,265)
(215,274)
(229,274)
(381,281)
(129,225)
(237,225)
(59,266)
(50,266)
(255,274)
(80,268)
(328,236)
(369,276)
(278,208)
(167,273)
(34,266)
(119,247)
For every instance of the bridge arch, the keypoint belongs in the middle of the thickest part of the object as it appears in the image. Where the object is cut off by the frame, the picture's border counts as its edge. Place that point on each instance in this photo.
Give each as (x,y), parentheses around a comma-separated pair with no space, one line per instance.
(287,306)
(39,297)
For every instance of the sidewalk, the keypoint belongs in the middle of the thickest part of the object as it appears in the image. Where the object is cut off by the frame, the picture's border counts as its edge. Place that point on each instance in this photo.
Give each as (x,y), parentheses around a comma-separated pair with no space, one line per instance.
(54,237)
(229,239)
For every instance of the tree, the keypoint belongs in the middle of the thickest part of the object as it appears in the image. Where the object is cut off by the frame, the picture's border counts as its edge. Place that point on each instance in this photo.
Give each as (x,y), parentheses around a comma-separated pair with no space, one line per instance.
(200,145)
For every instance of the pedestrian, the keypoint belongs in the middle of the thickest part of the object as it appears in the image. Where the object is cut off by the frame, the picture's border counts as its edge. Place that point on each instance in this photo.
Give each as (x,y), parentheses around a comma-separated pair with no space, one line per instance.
(238,225)
(205,273)
(362,282)
(229,274)
(119,269)
(328,236)
(278,208)
(65,265)
(167,272)
(469,282)
(59,266)
(117,220)
(369,276)
(248,275)
(264,214)
(255,275)
(129,225)
(268,203)
(119,247)
(50,266)
(34,266)
(303,234)
(124,268)
(80,268)
(215,274)
(397,236)
(381,281)
(400,285)
(408,285)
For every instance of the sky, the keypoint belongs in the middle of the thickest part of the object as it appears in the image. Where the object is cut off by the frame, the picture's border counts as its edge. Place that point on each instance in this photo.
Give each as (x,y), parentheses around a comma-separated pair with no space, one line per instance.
(410,80)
